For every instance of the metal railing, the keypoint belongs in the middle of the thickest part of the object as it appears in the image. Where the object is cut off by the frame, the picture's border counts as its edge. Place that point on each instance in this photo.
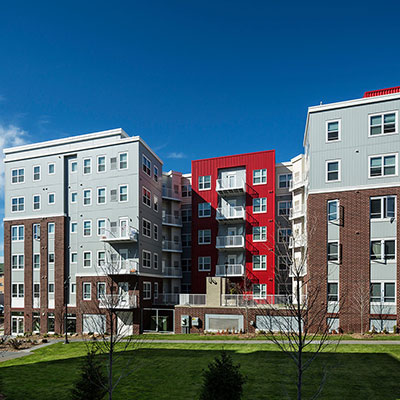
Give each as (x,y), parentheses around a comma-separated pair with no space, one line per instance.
(229,270)
(170,193)
(296,212)
(297,241)
(237,212)
(124,300)
(231,183)
(171,220)
(230,241)
(167,298)
(186,299)
(294,184)
(121,267)
(249,300)
(128,233)
(175,272)
(168,245)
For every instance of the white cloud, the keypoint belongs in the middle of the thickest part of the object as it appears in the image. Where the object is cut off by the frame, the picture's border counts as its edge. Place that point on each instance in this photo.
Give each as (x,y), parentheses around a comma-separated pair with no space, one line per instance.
(176,155)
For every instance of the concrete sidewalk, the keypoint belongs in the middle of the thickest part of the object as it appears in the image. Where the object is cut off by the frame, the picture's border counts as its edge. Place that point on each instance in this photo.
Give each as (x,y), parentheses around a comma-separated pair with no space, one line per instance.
(10,355)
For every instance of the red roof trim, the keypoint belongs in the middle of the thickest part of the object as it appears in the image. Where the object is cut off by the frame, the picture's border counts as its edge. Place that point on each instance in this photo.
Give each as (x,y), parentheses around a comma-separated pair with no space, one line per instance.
(381,92)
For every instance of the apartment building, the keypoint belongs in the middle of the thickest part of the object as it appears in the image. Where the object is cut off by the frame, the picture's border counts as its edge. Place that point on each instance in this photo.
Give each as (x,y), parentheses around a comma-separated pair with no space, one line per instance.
(352,156)
(233,222)
(83,223)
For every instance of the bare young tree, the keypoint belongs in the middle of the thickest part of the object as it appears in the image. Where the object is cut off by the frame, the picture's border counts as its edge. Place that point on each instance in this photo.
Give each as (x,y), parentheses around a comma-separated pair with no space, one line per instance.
(359,303)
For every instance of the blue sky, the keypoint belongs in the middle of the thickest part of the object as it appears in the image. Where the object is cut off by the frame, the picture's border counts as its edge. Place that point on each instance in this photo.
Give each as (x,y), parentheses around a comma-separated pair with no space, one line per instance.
(195,79)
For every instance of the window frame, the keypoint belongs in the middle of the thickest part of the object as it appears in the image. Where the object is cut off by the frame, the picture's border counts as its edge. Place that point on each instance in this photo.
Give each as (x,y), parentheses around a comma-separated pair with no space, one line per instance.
(18,198)
(261,205)
(201,263)
(383,258)
(73,223)
(84,294)
(337,210)
(99,284)
(155,173)
(380,114)
(85,166)
(339,139)
(287,235)
(84,198)
(201,236)
(48,199)
(339,171)
(18,236)
(48,168)
(101,156)
(155,232)
(382,292)
(383,209)
(262,289)
(74,193)
(261,176)
(263,235)
(83,227)
(201,210)
(145,168)
(328,254)
(146,195)
(146,290)
(289,178)
(328,295)
(119,161)
(105,195)
(382,156)
(19,266)
(202,182)
(149,259)
(90,259)
(288,203)
(146,229)
(18,176)
(33,173)
(119,193)
(262,262)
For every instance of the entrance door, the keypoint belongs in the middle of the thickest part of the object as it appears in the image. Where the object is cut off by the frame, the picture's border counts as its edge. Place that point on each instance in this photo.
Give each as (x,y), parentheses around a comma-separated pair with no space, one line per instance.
(231,180)
(17,325)
(231,208)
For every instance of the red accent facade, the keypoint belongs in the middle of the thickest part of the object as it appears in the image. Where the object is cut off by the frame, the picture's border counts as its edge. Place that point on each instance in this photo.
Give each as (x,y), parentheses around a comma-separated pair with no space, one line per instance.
(211,167)
(381,92)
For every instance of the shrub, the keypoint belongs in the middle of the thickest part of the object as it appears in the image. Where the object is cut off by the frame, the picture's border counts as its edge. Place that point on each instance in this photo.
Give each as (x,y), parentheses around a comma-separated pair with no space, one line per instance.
(223,380)
(90,386)
(15,343)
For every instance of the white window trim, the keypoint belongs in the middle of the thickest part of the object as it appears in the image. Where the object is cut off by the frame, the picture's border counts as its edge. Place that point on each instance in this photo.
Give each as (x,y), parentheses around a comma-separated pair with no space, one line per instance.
(156,177)
(338,211)
(127,161)
(382,240)
(97,225)
(143,156)
(198,183)
(382,156)
(339,139)
(381,199)
(83,227)
(338,292)
(76,170)
(145,188)
(33,202)
(382,282)
(71,199)
(18,255)
(338,251)
(266,176)
(17,197)
(48,230)
(83,291)
(155,228)
(198,210)
(105,164)
(17,169)
(198,264)
(71,260)
(97,288)
(260,240)
(149,286)
(119,193)
(105,195)
(339,161)
(83,197)
(17,227)
(146,220)
(284,215)
(266,205)
(198,237)
(83,166)
(260,296)
(382,114)
(151,258)
(48,258)
(70,227)
(98,258)
(33,173)
(48,169)
(33,261)
(83,259)
(48,199)
(261,262)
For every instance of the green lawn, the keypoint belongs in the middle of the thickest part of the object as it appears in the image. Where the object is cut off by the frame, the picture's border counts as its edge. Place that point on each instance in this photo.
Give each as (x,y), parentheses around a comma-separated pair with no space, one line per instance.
(173,371)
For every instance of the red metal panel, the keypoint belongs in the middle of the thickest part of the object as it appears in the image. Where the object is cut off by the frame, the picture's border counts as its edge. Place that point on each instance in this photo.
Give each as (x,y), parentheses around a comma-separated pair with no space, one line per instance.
(250,161)
(381,92)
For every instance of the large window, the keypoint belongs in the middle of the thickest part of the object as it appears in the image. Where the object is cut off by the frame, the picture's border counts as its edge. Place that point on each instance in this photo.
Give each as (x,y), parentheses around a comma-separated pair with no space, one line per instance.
(259,176)
(259,233)
(204,263)
(333,291)
(383,207)
(146,290)
(204,236)
(186,215)
(17,290)
(260,205)
(284,235)
(186,239)
(259,262)
(146,259)
(333,171)
(146,228)
(383,292)
(283,263)
(146,198)
(204,210)
(17,261)
(333,210)
(284,207)
(385,165)
(204,182)
(332,131)
(17,204)
(384,249)
(259,290)
(146,165)
(186,190)
(284,180)
(381,124)
(17,233)
(18,175)
(333,251)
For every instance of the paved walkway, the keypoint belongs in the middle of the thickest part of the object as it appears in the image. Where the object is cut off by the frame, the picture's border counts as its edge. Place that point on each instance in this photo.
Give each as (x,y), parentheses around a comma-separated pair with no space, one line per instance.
(10,355)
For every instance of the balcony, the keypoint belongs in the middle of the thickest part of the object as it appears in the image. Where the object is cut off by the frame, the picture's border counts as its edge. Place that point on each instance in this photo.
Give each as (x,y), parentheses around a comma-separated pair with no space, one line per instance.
(171,220)
(119,234)
(122,267)
(249,300)
(231,214)
(186,299)
(297,241)
(229,270)
(175,247)
(298,182)
(230,242)
(122,301)
(297,212)
(170,194)
(231,185)
(172,272)
(166,299)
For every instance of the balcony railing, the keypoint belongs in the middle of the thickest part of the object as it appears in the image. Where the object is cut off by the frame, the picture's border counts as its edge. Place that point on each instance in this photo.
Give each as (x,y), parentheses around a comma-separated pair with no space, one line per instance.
(172,272)
(297,241)
(168,219)
(298,182)
(249,300)
(297,212)
(119,234)
(229,270)
(121,267)
(231,213)
(227,242)
(169,193)
(167,299)
(124,300)
(168,245)
(186,299)
(231,185)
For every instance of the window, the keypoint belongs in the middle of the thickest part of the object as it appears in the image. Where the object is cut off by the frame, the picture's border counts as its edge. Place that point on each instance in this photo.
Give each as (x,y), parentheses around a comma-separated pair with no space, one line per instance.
(17,261)
(17,290)
(74,166)
(155,203)
(383,166)
(87,228)
(333,210)
(156,290)
(101,290)
(382,250)
(155,231)
(51,228)
(51,258)
(155,173)
(146,197)
(204,210)
(123,160)
(101,163)
(146,165)
(101,227)
(260,205)
(123,193)
(52,198)
(204,263)
(101,258)
(87,166)
(186,239)
(284,207)
(382,292)
(186,264)
(284,180)
(332,131)
(18,175)
(186,190)
(259,176)
(146,228)
(155,261)
(73,288)
(17,233)
(259,233)
(333,251)
(17,204)
(101,195)
(204,236)
(260,291)
(87,291)
(87,259)
(36,173)
(259,262)
(146,290)
(186,215)
(146,255)
(36,261)
(333,294)
(51,168)
(51,288)
(284,235)
(204,182)
(36,231)
(333,171)
(283,263)
(74,258)
(383,207)
(87,197)
(74,197)
(74,227)
(382,124)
